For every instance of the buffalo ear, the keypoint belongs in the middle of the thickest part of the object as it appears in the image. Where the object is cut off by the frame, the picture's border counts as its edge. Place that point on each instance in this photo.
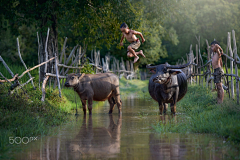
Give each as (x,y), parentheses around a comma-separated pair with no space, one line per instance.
(172,72)
(80,76)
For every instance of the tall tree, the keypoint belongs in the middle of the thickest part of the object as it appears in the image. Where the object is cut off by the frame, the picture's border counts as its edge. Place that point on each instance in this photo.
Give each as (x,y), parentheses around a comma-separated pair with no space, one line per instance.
(47,14)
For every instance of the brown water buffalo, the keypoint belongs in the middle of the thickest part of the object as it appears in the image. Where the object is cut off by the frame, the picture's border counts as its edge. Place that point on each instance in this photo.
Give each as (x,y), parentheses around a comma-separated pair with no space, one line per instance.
(96,87)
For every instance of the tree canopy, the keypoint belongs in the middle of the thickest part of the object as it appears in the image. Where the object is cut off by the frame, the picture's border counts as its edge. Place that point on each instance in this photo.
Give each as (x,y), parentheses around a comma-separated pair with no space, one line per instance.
(169,27)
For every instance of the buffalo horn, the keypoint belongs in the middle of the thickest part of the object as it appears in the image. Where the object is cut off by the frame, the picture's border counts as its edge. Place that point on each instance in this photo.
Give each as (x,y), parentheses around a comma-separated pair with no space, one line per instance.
(150,67)
(178,66)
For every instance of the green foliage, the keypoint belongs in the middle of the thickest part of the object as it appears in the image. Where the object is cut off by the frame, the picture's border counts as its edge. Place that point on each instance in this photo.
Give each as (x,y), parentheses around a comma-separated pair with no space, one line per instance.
(88,69)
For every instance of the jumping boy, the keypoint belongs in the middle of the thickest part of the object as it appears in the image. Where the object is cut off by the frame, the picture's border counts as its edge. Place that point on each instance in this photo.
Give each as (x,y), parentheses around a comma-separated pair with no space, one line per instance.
(217,66)
(135,42)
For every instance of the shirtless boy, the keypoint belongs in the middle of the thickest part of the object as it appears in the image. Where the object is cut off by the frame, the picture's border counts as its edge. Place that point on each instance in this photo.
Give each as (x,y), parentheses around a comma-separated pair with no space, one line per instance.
(217,66)
(135,42)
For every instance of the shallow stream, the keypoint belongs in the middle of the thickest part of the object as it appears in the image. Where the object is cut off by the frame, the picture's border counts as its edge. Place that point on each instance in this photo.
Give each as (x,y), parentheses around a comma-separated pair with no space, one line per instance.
(130,137)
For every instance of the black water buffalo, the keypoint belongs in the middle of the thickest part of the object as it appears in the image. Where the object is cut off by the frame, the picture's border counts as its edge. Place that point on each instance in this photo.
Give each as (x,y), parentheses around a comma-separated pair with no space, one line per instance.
(168,84)
(96,87)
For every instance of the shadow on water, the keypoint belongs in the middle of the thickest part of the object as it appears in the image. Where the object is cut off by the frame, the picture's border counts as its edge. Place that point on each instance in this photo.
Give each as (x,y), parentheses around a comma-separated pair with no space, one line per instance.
(103,136)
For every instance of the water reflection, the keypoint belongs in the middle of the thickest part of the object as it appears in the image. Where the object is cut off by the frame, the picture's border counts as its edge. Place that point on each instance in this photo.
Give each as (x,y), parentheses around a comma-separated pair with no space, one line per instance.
(165,148)
(96,141)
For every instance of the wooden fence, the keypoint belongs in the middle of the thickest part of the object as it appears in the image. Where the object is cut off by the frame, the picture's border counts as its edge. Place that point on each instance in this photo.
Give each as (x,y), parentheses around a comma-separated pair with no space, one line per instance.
(64,63)
(200,71)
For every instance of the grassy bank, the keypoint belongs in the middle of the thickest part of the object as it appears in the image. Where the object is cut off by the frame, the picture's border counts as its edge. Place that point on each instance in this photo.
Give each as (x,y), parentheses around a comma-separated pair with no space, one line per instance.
(201,114)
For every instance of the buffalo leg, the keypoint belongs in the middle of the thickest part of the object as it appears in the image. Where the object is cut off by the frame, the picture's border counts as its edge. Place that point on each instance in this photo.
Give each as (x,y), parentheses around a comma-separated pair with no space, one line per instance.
(118,100)
(161,107)
(90,102)
(165,108)
(84,106)
(173,108)
(112,104)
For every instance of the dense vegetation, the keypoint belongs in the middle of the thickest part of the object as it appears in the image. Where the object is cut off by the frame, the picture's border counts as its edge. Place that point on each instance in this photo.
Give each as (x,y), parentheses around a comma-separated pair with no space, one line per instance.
(169,27)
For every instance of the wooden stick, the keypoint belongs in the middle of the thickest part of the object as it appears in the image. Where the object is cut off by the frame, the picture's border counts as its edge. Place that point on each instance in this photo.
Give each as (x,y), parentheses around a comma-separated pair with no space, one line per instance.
(43,88)
(63,50)
(6,66)
(231,64)
(46,58)
(19,54)
(54,75)
(205,64)
(69,57)
(22,85)
(226,67)
(62,65)
(8,80)
(38,60)
(56,67)
(236,68)
(28,70)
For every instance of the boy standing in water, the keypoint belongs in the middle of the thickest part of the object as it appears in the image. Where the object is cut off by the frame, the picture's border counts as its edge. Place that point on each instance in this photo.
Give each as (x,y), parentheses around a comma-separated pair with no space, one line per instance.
(135,42)
(217,66)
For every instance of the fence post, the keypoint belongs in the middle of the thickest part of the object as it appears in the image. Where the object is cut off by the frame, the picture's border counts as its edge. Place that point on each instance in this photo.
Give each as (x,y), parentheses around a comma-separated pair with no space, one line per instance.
(231,64)
(236,68)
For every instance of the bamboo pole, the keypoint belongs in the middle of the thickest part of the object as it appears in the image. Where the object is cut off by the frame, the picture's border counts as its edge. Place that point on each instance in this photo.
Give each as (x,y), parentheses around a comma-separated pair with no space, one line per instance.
(208,58)
(38,61)
(6,66)
(231,64)
(63,50)
(19,54)
(197,63)
(57,74)
(43,88)
(226,67)
(236,67)
(46,58)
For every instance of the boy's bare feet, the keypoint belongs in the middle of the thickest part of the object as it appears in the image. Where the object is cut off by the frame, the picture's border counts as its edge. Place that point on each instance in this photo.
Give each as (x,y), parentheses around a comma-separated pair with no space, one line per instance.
(135,59)
(141,52)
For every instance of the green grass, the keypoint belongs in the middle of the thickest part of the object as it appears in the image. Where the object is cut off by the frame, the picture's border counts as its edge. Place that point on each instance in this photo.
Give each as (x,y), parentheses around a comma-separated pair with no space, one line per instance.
(201,114)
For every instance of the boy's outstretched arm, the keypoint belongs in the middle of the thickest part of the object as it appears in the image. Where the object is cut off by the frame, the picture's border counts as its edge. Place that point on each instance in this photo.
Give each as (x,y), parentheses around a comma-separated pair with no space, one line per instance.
(121,44)
(140,34)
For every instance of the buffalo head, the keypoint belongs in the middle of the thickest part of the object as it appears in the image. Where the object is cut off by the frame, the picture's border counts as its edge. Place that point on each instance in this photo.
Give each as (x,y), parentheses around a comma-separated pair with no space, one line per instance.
(73,79)
(163,72)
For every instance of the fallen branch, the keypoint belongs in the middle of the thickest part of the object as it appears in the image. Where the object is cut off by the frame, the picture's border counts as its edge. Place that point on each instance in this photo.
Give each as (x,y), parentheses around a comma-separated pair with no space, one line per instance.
(35,67)
(20,86)
(8,80)
(54,75)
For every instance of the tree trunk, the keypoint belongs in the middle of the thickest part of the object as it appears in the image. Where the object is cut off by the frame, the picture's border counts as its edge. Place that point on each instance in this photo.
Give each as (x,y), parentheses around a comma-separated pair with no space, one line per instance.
(52,44)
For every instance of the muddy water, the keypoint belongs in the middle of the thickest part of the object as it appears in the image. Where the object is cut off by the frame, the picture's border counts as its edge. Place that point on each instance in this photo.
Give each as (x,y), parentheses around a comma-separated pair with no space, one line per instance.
(129,136)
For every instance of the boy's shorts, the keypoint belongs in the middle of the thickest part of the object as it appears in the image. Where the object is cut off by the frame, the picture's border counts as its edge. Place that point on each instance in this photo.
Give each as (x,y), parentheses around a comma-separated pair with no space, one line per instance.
(218,73)
(135,45)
